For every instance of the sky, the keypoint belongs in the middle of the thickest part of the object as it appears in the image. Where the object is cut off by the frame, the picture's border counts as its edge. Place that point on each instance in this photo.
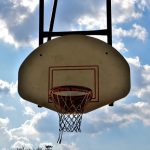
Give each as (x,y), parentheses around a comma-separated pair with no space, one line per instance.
(125,126)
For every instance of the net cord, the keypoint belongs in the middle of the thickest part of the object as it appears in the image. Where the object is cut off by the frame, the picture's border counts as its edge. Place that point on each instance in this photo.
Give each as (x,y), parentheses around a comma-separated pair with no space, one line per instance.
(69,122)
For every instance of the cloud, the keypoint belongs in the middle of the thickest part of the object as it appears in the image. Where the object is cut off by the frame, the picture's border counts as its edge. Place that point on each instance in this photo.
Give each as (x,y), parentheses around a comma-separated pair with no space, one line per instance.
(4,122)
(5,34)
(23,135)
(48,128)
(70,146)
(135,62)
(27,129)
(5,136)
(135,111)
(146,73)
(136,31)
(29,111)
(29,4)
(80,12)
(143,4)
(120,46)
(88,22)
(126,10)
(92,15)
(7,88)
(24,103)
(144,91)
(18,22)
(6,107)
(140,78)
(122,116)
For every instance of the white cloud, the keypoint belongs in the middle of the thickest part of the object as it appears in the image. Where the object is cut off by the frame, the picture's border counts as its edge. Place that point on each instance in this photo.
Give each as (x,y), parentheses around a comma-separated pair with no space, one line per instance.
(137,31)
(146,73)
(24,102)
(6,107)
(30,4)
(144,92)
(25,135)
(34,43)
(27,129)
(71,146)
(140,78)
(121,117)
(29,111)
(17,21)
(120,46)
(5,35)
(122,11)
(88,22)
(142,4)
(138,111)
(4,138)
(4,122)
(8,88)
(134,61)
(125,10)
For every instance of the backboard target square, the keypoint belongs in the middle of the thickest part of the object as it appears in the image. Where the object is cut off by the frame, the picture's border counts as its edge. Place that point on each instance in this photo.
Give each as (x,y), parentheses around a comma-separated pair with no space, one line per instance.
(86,76)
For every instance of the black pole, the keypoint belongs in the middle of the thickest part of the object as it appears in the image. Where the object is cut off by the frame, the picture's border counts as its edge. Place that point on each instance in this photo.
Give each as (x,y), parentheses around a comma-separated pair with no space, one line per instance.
(41,21)
(52,19)
(93,32)
(109,27)
(109,22)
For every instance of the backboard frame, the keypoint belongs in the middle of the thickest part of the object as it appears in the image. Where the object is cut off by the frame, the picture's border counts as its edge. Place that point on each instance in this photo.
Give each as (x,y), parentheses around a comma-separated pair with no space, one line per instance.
(57,55)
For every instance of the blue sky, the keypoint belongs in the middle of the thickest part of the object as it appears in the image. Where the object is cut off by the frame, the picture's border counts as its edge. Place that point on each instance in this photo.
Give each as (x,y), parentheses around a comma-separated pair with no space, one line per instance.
(125,126)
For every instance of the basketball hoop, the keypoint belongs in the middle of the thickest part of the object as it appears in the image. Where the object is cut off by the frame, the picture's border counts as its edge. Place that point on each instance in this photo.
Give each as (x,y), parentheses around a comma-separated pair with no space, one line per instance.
(70,102)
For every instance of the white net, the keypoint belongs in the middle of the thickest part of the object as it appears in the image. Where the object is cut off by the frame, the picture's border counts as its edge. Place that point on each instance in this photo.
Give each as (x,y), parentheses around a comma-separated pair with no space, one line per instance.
(71,103)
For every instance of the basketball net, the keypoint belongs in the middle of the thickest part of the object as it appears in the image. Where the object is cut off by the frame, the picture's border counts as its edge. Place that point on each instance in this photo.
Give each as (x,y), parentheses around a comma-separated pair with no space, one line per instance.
(69,101)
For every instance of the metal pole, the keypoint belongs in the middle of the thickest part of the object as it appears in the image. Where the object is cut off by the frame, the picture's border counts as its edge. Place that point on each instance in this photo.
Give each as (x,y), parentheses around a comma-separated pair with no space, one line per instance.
(109,22)
(41,21)
(109,27)
(52,19)
(93,32)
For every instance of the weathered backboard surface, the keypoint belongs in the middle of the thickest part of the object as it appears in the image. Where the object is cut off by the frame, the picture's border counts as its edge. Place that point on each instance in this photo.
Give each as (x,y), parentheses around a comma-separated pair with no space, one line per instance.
(74,60)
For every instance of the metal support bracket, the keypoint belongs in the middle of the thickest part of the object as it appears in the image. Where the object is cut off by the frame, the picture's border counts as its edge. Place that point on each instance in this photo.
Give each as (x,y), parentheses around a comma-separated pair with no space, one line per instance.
(49,34)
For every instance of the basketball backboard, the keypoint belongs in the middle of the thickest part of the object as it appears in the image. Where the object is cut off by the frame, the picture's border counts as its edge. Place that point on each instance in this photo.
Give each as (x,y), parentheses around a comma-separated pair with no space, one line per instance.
(74,60)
